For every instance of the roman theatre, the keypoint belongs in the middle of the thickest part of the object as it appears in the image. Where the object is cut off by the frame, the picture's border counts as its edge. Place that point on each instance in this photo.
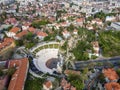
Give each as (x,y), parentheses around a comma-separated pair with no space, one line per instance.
(47,58)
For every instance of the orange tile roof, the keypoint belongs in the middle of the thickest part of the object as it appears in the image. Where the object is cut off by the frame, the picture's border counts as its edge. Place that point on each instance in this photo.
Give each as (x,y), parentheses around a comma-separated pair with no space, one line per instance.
(31,29)
(21,34)
(39,33)
(18,78)
(10,20)
(27,24)
(98,20)
(110,74)
(112,86)
(6,42)
(52,19)
(80,20)
(14,29)
(48,84)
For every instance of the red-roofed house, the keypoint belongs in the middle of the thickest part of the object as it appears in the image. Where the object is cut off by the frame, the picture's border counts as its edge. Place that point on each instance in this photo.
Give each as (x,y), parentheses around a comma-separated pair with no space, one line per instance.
(26,26)
(6,45)
(66,34)
(51,19)
(97,21)
(112,86)
(79,21)
(13,32)
(64,24)
(20,35)
(17,81)
(12,21)
(41,35)
(57,26)
(32,29)
(47,85)
(75,32)
(89,27)
(110,75)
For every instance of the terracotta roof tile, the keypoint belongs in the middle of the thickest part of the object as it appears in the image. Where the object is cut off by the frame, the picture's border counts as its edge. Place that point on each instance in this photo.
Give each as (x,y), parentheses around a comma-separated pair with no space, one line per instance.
(27,24)
(21,34)
(32,29)
(48,84)
(80,20)
(14,29)
(110,74)
(42,33)
(6,42)
(112,86)
(18,78)
(10,20)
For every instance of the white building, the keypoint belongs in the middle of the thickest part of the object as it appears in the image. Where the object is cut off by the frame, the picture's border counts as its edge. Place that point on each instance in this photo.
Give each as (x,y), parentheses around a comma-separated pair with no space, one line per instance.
(13,32)
(66,34)
(110,18)
(6,1)
(41,35)
(116,25)
(96,48)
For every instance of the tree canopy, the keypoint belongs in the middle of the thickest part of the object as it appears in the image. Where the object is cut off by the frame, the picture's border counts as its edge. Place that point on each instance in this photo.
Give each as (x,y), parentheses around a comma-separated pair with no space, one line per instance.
(110,43)
(38,24)
(76,81)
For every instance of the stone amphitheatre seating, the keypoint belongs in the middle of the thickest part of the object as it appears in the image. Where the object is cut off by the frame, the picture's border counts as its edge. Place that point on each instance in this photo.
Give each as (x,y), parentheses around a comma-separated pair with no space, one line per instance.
(45,52)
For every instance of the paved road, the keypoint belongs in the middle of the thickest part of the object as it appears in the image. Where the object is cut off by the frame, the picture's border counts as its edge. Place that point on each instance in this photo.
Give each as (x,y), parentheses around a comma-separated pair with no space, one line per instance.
(82,64)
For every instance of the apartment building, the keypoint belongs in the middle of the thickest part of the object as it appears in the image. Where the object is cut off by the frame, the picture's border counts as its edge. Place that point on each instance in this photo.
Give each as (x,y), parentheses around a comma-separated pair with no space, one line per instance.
(5,47)
(18,79)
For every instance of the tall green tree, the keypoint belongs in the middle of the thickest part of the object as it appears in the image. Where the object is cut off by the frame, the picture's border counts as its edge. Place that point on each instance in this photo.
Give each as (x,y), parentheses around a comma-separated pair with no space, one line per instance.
(76,81)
